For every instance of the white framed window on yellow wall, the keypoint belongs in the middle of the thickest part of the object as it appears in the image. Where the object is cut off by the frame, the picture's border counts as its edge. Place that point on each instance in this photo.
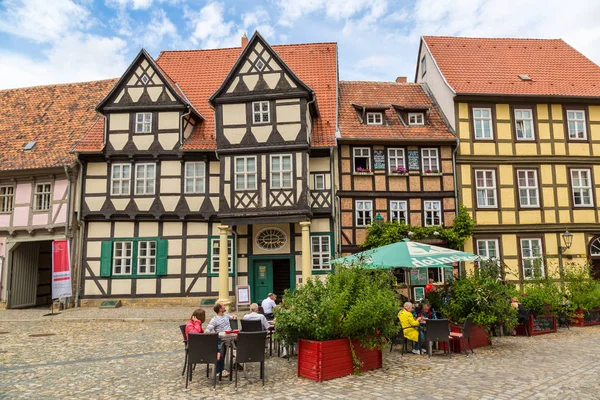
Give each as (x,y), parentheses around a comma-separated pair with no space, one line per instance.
(576,125)
(524,124)
(145,175)
(532,260)
(143,122)
(485,182)
(528,188)
(482,123)
(120,182)
(487,249)
(581,185)
(195,172)
(321,252)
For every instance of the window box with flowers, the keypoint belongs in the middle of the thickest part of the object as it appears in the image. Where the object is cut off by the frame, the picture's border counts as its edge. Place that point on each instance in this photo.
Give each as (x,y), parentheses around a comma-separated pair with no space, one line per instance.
(399,171)
(432,172)
(362,171)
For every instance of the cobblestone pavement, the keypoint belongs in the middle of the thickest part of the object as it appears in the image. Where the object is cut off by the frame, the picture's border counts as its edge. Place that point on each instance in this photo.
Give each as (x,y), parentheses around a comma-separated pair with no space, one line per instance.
(169,313)
(143,360)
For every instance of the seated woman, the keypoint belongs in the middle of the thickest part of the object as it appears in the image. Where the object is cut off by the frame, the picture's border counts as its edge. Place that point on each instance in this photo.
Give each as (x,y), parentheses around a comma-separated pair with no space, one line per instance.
(522,313)
(410,325)
(194,325)
(426,311)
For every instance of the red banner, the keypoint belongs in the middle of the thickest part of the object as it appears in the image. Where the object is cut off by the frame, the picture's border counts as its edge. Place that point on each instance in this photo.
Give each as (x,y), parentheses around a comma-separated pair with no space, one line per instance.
(61,269)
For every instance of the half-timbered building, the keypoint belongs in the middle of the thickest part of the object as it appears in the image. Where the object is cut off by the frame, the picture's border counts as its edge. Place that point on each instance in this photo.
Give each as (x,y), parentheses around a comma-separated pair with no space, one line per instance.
(395,160)
(38,183)
(527,113)
(207,155)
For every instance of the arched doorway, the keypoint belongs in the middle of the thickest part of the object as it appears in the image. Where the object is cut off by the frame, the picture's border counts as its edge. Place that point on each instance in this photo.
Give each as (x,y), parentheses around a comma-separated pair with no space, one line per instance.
(594,251)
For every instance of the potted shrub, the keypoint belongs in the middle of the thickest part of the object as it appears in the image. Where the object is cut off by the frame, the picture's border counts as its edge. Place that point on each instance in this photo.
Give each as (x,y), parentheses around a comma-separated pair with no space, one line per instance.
(544,298)
(362,171)
(341,324)
(584,295)
(399,171)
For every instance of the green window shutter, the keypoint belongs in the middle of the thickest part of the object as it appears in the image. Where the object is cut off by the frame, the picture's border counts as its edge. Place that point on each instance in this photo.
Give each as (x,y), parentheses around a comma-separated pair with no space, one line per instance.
(105,258)
(161,256)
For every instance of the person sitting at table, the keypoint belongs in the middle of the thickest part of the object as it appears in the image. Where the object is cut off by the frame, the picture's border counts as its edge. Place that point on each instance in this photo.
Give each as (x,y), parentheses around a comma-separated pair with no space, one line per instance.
(269,305)
(220,323)
(194,325)
(255,316)
(410,325)
(426,311)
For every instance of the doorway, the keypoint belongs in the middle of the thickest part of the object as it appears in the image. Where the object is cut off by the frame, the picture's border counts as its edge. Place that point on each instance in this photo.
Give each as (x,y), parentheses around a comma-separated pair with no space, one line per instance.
(274,274)
(30,275)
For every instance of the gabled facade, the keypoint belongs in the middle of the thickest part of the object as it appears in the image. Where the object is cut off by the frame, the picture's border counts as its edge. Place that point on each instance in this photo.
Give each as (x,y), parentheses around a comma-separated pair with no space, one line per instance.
(395,160)
(211,157)
(39,183)
(527,114)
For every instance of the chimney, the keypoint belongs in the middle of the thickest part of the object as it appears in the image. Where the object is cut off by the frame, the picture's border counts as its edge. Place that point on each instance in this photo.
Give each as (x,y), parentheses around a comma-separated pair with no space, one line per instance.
(401,79)
(244,41)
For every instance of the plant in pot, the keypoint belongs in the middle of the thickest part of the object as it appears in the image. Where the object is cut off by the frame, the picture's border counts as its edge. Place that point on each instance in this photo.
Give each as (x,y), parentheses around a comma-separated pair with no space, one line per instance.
(584,294)
(544,298)
(347,317)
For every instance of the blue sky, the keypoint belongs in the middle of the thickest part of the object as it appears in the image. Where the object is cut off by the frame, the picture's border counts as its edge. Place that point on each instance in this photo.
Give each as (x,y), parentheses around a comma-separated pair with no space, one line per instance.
(55,41)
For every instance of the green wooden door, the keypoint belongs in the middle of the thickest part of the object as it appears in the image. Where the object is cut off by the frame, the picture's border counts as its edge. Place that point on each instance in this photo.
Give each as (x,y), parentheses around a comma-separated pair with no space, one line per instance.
(263,279)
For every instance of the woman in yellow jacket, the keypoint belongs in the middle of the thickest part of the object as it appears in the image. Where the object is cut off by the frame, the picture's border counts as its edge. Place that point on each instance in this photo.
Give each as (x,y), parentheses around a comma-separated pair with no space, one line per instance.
(410,325)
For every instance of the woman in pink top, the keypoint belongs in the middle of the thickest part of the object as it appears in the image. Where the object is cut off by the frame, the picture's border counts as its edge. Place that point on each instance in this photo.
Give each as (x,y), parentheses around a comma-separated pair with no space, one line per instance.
(194,325)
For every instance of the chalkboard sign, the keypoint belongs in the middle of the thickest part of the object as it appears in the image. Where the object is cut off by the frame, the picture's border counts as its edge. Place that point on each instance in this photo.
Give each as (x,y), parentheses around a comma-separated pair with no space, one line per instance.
(419,294)
(378,160)
(418,276)
(541,324)
(448,274)
(413,160)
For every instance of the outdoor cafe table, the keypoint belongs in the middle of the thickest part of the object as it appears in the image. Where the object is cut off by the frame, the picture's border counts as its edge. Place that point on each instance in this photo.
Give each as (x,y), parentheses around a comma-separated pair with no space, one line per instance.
(228,339)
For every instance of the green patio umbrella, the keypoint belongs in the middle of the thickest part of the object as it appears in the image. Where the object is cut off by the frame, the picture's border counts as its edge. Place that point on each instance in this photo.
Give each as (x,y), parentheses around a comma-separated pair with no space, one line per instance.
(407,254)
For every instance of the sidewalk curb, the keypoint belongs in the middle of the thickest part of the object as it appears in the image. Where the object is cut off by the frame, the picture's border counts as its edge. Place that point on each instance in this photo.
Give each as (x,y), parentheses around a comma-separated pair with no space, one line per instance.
(94,319)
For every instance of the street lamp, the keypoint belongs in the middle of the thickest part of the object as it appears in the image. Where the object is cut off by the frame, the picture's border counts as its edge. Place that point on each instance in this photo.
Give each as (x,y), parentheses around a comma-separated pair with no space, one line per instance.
(379,219)
(567,237)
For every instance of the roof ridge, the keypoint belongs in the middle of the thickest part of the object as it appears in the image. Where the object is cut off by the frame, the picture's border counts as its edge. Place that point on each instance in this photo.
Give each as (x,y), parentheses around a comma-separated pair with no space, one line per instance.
(231,48)
(384,82)
(492,38)
(58,84)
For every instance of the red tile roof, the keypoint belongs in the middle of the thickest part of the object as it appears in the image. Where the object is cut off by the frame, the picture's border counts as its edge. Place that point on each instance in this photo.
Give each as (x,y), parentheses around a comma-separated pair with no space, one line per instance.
(55,117)
(493,66)
(373,94)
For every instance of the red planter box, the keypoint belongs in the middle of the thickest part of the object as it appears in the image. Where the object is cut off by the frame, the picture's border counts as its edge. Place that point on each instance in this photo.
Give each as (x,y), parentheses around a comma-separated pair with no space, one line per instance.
(479,338)
(330,359)
(587,319)
(539,325)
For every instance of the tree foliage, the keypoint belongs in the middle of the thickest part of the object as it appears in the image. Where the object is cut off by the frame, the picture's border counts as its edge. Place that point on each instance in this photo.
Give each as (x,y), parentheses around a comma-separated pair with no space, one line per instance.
(582,288)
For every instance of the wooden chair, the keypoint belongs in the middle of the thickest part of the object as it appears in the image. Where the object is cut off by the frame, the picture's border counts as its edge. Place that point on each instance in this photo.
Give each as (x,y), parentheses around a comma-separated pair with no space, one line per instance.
(250,347)
(399,339)
(464,335)
(438,330)
(202,349)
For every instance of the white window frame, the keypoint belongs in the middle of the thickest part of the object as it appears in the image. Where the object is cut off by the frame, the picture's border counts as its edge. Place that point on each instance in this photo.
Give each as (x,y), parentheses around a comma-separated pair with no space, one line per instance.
(524,122)
(149,183)
(120,186)
(531,257)
(123,257)
(145,124)
(264,115)
(428,208)
(414,117)
(195,179)
(480,121)
(321,256)
(361,151)
(245,173)
(429,158)
(526,191)
(581,189)
(483,248)
(489,192)
(145,258)
(215,257)
(399,207)
(576,121)
(364,212)
(281,172)
(42,196)
(374,118)
(316,182)
(396,158)
(7,198)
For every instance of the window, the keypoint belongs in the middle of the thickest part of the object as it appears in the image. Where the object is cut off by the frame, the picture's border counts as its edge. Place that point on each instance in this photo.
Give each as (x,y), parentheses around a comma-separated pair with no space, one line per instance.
(320,182)
(362,159)
(581,184)
(433,213)
(122,258)
(423,66)
(398,211)
(321,252)
(430,161)
(281,172)
(374,118)
(144,178)
(531,258)
(143,122)
(260,112)
(416,119)
(42,197)
(215,256)
(146,257)
(121,179)
(487,249)
(145,79)
(245,173)
(528,188)
(524,124)
(194,177)
(7,198)
(485,182)
(364,212)
(397,163)
(260,64)
(482,123)
(576,125)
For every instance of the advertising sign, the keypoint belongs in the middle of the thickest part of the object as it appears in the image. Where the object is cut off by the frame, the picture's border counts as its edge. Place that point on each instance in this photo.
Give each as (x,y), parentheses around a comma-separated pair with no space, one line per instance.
(61,269)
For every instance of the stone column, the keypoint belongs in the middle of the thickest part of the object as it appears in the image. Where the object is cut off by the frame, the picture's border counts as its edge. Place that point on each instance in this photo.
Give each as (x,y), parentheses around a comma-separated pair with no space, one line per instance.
(306,254)
(223,267)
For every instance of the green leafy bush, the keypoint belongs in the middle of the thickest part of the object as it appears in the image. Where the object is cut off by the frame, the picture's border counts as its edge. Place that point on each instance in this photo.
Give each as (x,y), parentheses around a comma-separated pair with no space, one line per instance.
(543,296)
(353,302)
(583,289)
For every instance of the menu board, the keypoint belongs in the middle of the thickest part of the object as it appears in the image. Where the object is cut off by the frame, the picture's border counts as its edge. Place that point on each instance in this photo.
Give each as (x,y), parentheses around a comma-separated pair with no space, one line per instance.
(419,294)
(543,324)
(448,274)
(413,160)
(418,276)
(378,160)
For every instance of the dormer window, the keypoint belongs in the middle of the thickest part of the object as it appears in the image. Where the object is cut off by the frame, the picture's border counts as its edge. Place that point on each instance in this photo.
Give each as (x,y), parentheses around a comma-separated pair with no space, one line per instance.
(374,118)
(416,119)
